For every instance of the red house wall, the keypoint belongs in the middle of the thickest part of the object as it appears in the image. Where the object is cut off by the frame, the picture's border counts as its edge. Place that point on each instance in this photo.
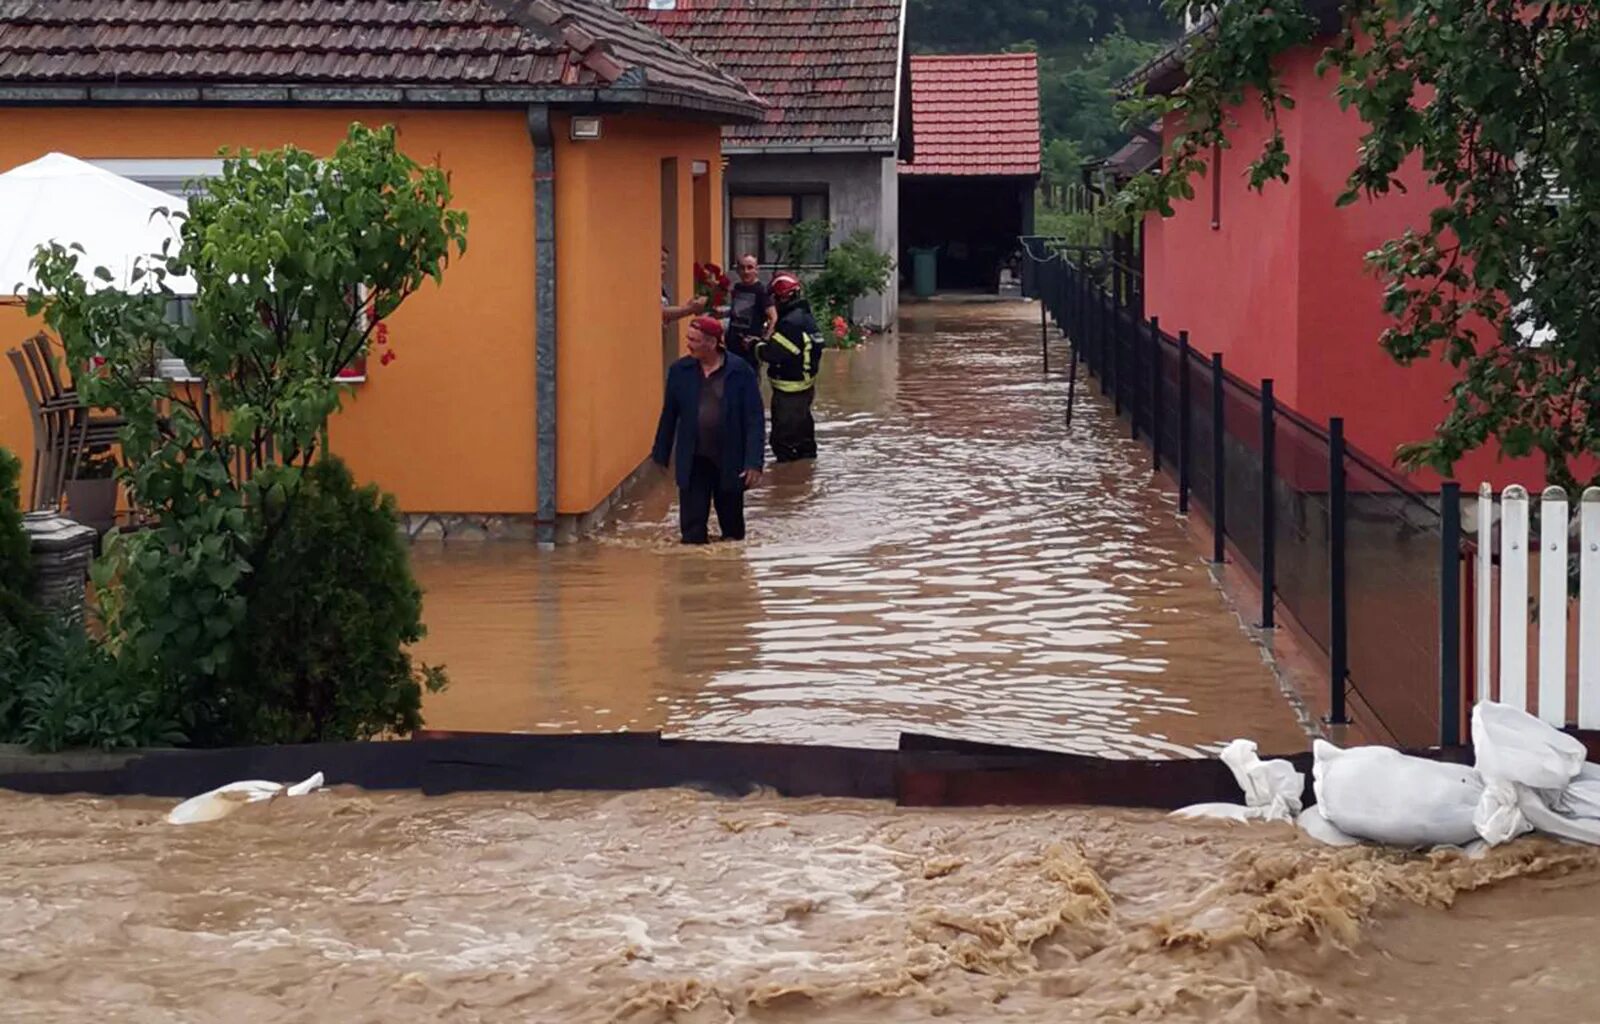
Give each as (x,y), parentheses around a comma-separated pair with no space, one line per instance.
(1281,288)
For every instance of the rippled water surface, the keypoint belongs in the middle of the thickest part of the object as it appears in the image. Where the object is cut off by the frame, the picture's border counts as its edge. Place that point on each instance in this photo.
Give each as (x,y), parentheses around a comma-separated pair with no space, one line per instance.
(956,562)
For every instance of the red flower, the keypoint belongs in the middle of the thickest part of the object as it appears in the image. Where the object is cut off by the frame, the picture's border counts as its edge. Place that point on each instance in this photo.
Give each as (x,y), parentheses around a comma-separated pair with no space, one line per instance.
(387,357)
(380,334)
(840,327)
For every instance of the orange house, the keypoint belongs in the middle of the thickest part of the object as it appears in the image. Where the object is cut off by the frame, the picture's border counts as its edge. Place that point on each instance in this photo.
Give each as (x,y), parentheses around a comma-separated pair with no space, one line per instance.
(578,141)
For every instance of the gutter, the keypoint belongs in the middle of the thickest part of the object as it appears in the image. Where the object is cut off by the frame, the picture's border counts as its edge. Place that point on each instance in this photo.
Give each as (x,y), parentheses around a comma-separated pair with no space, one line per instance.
(544,334)
(284,94)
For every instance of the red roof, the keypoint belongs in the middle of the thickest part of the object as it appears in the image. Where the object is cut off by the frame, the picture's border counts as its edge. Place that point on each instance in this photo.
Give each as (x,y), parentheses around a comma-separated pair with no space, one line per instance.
(828,68)
(975,114)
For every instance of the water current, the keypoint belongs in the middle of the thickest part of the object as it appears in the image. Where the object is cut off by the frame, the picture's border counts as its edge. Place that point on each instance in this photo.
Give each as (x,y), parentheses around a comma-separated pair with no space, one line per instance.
(956,562)
(683,907)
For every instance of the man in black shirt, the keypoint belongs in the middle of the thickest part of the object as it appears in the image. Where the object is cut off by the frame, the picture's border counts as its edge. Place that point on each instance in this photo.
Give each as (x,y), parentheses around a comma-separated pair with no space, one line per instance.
(752,312)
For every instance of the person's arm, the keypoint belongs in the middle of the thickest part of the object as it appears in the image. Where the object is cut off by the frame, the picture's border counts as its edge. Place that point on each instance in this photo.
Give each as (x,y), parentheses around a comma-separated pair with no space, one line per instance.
(661,453)
(671,314)
(772,317)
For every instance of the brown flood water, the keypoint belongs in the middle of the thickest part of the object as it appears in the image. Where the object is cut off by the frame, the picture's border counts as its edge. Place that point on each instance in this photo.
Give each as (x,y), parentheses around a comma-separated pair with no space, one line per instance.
(955,563)
(678,906)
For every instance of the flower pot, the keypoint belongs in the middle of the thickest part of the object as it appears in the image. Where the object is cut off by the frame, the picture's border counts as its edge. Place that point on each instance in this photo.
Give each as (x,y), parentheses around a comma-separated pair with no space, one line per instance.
(93,502)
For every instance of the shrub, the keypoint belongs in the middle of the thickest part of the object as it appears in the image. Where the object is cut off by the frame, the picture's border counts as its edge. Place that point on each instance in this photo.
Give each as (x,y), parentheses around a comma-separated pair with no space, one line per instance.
(298,261)
(330,610)
(16,572)
(59,689)
(854,269)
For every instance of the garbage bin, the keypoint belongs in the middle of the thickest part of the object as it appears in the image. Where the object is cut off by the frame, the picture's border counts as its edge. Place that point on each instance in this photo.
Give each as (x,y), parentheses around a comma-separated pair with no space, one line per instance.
(924,272)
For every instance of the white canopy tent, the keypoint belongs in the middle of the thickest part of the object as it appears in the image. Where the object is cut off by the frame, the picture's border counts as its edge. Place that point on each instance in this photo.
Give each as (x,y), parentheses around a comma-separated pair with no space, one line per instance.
(63,199)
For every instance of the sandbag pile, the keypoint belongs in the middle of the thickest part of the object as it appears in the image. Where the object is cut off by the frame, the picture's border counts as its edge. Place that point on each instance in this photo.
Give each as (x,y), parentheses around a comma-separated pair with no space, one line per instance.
(1527,776)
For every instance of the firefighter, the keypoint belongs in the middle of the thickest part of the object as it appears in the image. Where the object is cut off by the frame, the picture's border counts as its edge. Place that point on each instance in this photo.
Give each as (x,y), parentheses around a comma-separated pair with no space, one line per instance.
(792,355)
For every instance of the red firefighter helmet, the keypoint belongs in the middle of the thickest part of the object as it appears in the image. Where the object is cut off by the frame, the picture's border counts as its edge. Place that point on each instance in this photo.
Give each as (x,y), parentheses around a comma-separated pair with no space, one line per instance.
(785,286)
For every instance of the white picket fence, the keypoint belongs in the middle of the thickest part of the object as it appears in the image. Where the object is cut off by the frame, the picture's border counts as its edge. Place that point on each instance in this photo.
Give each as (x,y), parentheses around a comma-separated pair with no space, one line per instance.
(1556,529)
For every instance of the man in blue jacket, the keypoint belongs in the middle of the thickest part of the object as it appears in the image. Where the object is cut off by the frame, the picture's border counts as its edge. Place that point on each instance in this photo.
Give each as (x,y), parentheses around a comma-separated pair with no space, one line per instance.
(712,416)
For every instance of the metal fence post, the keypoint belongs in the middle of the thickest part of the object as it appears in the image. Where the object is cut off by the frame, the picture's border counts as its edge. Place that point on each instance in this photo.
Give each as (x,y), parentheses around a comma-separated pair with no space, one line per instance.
(1135,330)
(1183,423)
(1154,419)
(1450,614)
(1102,336)
(1269,504)
(1338,654)
(1044,333)
(1219,473)
(1116,349)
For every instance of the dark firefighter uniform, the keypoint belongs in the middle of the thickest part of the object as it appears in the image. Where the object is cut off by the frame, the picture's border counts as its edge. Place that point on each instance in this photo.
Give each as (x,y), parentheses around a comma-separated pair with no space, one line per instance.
(792,356)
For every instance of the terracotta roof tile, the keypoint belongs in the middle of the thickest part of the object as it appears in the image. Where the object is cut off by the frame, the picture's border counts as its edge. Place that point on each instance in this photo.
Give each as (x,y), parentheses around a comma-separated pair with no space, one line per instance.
(829,68)
(976,114)
(441,43)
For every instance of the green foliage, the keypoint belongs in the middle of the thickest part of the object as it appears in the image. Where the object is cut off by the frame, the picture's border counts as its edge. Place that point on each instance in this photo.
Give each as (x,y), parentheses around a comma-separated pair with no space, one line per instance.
(983,26)
(803,245)
(332,608)
(298,260)
(15,564)
(854,269)
(1078,94)
(1494,105)
(60,690)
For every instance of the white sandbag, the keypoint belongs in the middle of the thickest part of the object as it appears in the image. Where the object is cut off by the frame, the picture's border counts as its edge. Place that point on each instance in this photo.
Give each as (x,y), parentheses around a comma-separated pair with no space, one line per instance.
(1541,817)
(1219,812)
(1272,785)
(1272,789)
(1313,824)
(1498,816)
(1382,795)
(224,800)
(1513,746)
(1581,797)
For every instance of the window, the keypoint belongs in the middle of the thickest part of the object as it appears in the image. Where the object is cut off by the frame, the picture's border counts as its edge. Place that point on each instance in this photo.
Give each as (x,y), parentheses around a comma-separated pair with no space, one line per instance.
(761,219)
(180,178)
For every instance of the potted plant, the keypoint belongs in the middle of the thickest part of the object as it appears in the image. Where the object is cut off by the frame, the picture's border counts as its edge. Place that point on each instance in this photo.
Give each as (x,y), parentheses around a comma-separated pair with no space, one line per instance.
(92,491)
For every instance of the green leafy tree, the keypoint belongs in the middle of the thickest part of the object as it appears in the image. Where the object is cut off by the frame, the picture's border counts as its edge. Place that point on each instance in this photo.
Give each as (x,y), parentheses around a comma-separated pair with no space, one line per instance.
(1494,106)
(298,261)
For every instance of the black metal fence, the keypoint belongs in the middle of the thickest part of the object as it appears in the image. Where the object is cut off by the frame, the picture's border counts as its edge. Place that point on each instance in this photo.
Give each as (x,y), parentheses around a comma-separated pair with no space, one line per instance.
(1326,533)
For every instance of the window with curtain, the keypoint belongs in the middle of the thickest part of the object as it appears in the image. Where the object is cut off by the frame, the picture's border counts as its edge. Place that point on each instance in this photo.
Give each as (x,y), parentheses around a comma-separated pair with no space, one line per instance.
(761,219)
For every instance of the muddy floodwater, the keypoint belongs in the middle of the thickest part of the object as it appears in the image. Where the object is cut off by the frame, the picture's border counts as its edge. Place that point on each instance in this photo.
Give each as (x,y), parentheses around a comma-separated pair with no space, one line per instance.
(683,907)
(956,562)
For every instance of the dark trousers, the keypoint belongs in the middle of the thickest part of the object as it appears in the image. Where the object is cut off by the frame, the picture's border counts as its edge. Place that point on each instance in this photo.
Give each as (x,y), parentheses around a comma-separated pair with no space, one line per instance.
(695,501)
(794,432)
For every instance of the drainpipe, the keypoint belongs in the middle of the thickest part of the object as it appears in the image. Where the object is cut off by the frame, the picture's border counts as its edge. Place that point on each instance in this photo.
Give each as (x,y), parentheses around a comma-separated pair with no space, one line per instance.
(544,298)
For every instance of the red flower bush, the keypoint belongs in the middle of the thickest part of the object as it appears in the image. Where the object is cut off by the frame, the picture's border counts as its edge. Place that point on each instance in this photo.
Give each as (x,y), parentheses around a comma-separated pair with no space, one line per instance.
(711,284)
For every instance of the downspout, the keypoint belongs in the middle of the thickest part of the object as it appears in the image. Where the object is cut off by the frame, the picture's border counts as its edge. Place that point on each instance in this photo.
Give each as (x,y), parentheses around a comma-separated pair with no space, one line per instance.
(544,299)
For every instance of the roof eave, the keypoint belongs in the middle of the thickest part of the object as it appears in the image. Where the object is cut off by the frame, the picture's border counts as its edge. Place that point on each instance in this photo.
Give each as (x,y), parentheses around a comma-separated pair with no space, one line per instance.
(870,147)
(371,94)
(1167,70)
(904,128)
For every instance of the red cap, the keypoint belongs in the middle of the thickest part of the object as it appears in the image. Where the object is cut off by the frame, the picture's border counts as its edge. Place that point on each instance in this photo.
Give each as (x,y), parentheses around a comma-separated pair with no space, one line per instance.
(708,325)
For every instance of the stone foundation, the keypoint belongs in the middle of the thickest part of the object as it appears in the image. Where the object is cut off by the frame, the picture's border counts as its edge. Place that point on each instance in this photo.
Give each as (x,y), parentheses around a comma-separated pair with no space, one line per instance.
(523,528)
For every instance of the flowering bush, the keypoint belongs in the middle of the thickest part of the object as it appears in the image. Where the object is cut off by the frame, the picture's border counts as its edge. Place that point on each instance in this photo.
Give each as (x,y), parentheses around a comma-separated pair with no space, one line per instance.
(711,284)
